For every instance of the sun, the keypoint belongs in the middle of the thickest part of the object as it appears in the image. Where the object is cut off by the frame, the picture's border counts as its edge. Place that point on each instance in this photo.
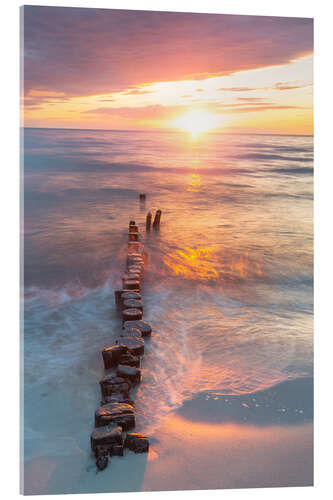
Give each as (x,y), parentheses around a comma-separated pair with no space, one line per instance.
(197,121)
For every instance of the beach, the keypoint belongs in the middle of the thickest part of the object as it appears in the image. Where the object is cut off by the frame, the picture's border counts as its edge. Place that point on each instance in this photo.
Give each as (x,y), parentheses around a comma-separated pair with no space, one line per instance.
(226,397)
(188,456)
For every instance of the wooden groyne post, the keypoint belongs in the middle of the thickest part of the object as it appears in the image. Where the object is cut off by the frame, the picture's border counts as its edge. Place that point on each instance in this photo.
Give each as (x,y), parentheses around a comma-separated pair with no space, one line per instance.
(157,219)
(148,221)
(115,418)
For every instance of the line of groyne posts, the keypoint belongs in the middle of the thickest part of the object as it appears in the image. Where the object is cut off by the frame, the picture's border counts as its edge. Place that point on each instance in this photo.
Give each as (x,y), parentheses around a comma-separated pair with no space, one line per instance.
(115,418)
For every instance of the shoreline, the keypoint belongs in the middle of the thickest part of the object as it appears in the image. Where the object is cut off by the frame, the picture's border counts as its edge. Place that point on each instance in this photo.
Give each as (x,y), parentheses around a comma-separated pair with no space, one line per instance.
(196,447)
(188,456)
(223,456)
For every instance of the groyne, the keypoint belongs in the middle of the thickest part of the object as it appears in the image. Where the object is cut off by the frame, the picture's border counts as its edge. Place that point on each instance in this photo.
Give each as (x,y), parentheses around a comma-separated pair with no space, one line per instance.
(115,418)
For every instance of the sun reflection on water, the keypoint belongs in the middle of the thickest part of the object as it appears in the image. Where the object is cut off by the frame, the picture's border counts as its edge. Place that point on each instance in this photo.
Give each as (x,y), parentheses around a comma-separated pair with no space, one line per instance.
(194,182)
(192,263)
(204,264)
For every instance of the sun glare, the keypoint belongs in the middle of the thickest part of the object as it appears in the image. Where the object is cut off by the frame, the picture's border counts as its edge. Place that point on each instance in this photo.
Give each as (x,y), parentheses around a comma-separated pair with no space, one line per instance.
(197,121)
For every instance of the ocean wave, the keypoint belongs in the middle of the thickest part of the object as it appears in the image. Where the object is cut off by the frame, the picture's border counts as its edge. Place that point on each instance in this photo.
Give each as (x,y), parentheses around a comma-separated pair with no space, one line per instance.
(285,403)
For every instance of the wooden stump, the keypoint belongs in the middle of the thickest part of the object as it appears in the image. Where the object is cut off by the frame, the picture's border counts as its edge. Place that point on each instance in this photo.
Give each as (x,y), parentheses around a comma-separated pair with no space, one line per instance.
(143,326)
(130,332)
(121,414)
(111,384)
(136,442)
(130,295)
(135,345)
(112,355)
(133,303)
(134,259)
(133,246)
(131,314)
(134,269)
(130,277)
(107,435)
(136,254)
(132,285)
(131,373)
(157,219)
(148,221)
(133,236)
(129,359)
(117,397)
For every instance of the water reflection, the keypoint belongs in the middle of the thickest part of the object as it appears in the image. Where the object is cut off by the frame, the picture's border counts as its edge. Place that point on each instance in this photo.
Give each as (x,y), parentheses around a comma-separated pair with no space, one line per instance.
(208,264)
(194,182)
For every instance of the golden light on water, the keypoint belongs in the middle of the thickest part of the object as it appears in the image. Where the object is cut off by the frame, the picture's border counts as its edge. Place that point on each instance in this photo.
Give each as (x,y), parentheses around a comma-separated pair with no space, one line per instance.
(194,183)
(197,121)
(192,263)
(202,263)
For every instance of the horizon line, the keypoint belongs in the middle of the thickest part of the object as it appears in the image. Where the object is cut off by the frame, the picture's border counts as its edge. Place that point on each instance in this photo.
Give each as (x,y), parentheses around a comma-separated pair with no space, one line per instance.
(162,130)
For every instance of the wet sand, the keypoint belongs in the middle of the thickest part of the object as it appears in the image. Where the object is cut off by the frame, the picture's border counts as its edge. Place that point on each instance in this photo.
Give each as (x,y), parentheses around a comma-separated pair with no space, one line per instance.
(214,456)
(188,455)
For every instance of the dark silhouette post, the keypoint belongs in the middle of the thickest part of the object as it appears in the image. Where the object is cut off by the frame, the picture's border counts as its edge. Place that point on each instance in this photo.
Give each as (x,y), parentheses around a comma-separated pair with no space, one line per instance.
(157,219)
(148,221)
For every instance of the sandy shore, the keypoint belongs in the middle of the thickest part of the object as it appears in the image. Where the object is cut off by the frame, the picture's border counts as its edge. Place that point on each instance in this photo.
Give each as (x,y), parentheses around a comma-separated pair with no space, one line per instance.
(188,455)
(213,456)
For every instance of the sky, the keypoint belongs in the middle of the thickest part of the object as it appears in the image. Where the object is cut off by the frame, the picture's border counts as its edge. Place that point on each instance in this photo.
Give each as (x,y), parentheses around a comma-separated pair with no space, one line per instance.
(118,69)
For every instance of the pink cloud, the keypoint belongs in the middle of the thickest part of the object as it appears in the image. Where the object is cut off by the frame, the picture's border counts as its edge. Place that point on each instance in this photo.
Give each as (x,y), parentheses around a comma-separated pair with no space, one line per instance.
(159,112)
(82,52)
(151,112)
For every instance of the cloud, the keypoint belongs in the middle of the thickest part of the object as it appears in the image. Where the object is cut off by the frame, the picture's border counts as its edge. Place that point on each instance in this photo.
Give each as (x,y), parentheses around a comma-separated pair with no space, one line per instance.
(35,98)
(236,89)
(151,112)
(290,86)
(252,99)
(277,86)
(158,112)
(250,109)
(138,92)
(82,52)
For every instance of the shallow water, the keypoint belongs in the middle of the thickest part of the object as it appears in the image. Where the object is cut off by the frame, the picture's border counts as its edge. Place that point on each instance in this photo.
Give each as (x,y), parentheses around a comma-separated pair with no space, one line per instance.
(228,288)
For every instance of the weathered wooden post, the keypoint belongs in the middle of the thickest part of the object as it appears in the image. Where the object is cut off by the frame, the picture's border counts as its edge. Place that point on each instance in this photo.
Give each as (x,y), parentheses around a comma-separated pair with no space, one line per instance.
(148,221)
(133,236)
(133,246)
(131,314)
(116,416)
(132,285)
(130,295)
(142,326)
(157,219)
(133,303)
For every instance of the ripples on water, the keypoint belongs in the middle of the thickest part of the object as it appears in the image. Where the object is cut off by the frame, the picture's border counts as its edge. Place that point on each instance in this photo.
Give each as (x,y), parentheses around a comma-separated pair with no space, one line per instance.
(228,288)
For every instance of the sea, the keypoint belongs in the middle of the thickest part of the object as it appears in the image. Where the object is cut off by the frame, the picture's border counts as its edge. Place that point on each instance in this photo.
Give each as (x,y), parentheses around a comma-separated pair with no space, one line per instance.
(228,286)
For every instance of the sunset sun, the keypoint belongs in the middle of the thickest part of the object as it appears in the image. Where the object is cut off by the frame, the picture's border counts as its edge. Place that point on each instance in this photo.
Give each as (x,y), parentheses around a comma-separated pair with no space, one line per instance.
(197,121)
